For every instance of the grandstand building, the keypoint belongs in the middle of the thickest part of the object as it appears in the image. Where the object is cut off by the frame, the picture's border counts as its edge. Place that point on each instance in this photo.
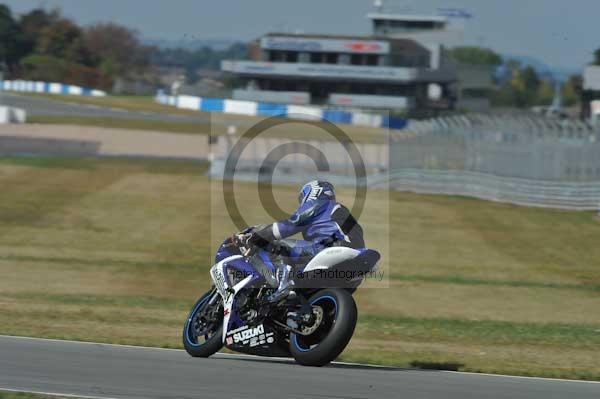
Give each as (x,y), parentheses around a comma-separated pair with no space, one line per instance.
(400,66)
(591,93)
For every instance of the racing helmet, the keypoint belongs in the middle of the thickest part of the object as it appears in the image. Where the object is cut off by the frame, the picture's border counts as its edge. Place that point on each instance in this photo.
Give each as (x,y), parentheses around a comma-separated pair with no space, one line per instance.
(316,190)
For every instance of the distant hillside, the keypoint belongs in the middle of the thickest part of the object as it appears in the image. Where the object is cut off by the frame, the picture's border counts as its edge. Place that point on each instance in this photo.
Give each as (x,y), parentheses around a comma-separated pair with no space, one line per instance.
(191,43)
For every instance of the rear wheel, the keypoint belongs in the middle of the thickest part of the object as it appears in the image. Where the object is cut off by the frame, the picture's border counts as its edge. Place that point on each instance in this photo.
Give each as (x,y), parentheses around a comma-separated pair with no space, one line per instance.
(337,313)
(203,330)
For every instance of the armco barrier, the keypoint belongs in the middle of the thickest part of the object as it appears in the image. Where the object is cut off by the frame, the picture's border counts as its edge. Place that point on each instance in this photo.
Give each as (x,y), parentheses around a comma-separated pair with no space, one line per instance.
(212,104)
(337,116)
(27,86)
(270,109)
(240,107)
(283,110)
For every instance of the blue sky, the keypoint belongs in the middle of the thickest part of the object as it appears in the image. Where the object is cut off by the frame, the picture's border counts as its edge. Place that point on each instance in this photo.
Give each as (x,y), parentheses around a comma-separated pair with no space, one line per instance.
(560,33)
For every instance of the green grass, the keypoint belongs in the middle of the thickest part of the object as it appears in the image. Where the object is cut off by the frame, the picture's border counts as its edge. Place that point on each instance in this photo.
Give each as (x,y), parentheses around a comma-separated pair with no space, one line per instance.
(484,331)
(173,166)
(101,300)
(117,250)
(508,283)
(131,103)
(25,395)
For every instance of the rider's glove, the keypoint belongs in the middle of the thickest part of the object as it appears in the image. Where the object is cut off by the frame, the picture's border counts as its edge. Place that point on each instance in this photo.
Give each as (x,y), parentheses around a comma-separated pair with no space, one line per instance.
(236,240)
(256,240)
(280,249)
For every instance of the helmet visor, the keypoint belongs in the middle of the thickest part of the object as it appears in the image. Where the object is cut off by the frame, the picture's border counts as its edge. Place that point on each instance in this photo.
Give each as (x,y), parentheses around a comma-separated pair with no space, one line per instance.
(304,193)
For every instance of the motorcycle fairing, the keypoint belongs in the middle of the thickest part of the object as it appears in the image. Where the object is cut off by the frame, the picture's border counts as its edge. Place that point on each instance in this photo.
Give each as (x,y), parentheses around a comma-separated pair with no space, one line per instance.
(258,339)
(331,256)
(340,261)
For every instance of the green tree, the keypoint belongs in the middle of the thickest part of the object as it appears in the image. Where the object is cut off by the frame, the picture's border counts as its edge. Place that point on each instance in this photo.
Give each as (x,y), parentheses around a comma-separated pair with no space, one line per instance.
(506,96)
(572,90)
(117,50)
(32,24)
(11,38)
(545,93)
(597,57)
(52,69)
(531,85)
(531,81)
(63,39)
(522,89)
(44,68)
(473,55)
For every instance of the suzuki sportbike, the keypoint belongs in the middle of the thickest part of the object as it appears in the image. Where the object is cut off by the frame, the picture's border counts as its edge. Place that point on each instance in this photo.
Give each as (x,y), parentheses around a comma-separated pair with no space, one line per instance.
(313,324)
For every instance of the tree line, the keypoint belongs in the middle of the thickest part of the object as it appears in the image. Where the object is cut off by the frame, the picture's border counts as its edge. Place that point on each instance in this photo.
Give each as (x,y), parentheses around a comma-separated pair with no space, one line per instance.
(519,85)
(44,45)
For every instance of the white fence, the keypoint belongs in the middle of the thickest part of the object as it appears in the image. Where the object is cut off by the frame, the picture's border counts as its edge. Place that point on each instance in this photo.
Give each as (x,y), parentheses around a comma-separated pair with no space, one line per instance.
(526,147)
(28,86)
(549,194)
(525,159)
(519,160)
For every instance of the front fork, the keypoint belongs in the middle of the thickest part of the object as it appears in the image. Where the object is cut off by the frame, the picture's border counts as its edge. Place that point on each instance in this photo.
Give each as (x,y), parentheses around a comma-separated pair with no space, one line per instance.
(229,301)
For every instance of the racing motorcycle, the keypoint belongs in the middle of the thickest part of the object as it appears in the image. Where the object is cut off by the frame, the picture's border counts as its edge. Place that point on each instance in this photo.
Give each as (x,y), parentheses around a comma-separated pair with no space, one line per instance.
(313,324)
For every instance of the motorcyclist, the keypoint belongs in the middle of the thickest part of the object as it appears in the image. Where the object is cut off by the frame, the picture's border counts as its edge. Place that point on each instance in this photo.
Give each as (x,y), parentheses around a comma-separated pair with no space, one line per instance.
(322,221)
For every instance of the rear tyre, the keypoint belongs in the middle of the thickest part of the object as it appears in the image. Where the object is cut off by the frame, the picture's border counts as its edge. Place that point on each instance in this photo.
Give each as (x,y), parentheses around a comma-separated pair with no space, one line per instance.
(203,329)
(334,332)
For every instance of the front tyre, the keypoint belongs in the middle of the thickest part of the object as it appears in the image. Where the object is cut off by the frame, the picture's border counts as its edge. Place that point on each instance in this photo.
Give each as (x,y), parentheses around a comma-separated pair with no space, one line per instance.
(332,334)
(203,329)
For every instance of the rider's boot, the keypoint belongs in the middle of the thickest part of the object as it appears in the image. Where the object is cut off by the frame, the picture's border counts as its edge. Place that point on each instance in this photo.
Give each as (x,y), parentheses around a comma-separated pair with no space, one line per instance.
(285,285)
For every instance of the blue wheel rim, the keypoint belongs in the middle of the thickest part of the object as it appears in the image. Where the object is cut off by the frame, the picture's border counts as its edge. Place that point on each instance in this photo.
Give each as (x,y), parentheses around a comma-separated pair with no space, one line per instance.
(188,324)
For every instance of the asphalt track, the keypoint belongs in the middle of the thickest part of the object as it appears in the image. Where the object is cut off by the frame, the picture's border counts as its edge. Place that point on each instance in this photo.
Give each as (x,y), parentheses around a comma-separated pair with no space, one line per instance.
(40,106)
(95,370)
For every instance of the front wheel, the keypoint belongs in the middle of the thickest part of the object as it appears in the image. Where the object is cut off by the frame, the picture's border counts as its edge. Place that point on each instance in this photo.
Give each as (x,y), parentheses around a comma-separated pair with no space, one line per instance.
(338,315)
(203,330)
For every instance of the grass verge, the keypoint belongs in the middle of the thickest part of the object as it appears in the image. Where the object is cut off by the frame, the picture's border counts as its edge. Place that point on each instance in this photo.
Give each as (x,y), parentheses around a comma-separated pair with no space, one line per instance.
(117,250)
(130,103)
(27,395)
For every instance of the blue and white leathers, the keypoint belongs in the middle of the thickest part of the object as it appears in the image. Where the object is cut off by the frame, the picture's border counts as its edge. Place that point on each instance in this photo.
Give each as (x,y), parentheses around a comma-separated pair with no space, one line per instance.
(313,219)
